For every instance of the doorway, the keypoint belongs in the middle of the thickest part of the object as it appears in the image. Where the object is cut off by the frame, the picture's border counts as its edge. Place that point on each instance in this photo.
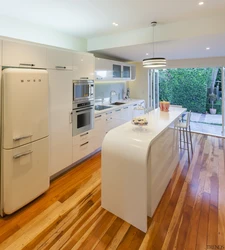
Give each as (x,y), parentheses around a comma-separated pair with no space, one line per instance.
(153,86)
(200,90)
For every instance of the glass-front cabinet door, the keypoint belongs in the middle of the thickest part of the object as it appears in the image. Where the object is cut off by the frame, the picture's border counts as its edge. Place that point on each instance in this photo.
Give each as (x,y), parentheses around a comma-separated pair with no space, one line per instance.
(117,71)
(126,72)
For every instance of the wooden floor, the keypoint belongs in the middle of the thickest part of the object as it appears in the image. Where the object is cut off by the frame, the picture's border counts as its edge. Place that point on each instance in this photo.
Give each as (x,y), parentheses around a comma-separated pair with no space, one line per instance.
(191,214)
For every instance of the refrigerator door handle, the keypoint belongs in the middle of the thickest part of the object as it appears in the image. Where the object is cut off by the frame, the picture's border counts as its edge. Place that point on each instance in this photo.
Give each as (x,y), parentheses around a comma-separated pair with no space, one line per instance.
(22,137)
(22,154)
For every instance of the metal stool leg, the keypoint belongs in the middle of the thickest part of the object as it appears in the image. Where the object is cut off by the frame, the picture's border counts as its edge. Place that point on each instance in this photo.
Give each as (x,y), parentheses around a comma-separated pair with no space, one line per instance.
(187,145)
(184,137)
(191,139)
(180,137)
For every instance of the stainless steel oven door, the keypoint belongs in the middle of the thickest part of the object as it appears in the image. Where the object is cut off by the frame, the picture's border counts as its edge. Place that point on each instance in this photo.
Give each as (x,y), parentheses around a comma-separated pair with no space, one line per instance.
(83,120)
(83,90)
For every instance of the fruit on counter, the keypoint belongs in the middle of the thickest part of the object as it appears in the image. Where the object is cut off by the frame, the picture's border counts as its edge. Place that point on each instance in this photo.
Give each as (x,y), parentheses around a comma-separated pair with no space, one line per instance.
(140,121)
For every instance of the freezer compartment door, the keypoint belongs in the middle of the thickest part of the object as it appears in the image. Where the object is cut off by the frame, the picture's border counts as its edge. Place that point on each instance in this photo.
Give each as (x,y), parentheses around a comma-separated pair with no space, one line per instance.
(25,174)
(25,106)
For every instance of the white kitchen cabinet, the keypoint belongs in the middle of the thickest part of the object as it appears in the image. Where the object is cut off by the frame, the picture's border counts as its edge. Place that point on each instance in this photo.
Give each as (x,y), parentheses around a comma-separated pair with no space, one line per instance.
(117,117)
(111,70)
(98,131)
(121,71)
(81,138)
(83,66)
(110,121)
(60,84)
(18,54)
(81,150)
(59,59)
(82,145)
(126,71)
(126,114)
(103,69)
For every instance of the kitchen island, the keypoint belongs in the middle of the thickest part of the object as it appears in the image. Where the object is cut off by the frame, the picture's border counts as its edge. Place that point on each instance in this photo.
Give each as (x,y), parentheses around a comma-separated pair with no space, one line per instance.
(137,165)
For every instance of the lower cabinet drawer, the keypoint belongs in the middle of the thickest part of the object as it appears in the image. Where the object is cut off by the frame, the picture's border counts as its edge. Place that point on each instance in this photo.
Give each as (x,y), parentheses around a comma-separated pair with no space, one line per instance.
(81,150)
(84,137)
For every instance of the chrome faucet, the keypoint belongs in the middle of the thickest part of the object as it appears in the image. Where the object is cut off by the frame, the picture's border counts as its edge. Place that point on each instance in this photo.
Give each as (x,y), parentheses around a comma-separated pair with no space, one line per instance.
(112,93)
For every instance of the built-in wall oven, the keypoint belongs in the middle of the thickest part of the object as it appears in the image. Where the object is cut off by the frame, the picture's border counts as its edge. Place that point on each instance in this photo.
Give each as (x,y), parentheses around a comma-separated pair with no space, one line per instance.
(83,117)
(83,90)
(83,106)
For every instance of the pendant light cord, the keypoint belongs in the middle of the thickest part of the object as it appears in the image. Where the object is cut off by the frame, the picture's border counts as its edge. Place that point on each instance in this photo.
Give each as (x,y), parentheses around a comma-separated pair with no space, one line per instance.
(153,42)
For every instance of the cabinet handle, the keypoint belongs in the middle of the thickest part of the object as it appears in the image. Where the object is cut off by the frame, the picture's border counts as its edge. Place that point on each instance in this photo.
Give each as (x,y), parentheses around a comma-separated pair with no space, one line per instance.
(84,144)
(134,105)
(118,110)
(109,119)
(71,117)
(22,154)
(60,67)
(84,134)
(98,116)
(27,64)
(84,78)
(125,108)
(21,138)
(109,113)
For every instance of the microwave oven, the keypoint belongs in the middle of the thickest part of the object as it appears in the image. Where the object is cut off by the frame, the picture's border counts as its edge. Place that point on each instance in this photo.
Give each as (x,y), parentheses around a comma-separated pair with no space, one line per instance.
(83,90)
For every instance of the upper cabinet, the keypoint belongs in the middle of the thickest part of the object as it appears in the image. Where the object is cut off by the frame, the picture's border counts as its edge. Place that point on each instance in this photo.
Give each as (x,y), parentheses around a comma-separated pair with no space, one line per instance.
(103,69)
(83,66)
(112,70)
(59,59)
(18,54)
(121,70)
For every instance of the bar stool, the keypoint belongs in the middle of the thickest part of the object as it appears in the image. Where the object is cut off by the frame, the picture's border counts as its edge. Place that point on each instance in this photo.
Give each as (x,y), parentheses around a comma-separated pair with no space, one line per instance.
(186,128)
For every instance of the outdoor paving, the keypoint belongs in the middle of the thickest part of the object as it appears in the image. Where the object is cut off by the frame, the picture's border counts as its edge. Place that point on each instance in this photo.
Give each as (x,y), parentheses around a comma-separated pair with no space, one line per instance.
(206,123)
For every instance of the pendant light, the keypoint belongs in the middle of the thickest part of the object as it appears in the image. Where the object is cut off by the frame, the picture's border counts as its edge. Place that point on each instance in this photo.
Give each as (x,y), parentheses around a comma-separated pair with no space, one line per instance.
(154,62)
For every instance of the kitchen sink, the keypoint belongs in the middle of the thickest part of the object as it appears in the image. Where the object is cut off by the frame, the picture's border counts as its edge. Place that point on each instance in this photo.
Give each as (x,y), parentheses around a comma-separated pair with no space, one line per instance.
(117,103)
(101,107)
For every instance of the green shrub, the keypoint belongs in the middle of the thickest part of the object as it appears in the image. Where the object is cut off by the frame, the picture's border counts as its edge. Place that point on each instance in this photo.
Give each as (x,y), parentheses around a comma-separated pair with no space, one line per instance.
(186,87)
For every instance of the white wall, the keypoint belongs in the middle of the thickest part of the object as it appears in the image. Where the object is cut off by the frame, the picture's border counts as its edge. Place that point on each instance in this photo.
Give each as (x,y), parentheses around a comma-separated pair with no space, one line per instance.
(18,29)
(139,87)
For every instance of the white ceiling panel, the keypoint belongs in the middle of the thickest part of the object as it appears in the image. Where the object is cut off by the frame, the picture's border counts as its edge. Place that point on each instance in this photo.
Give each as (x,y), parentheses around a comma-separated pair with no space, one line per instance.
(172,50)
(91,18)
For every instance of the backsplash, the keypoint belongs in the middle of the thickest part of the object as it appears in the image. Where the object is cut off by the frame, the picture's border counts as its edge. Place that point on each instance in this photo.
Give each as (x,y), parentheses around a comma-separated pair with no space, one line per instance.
(102,90)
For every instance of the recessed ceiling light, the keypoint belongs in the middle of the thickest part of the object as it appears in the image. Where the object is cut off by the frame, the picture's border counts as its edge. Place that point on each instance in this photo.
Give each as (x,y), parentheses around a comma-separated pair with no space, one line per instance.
(115,24)
(207,48)
(200,3)
(146,54)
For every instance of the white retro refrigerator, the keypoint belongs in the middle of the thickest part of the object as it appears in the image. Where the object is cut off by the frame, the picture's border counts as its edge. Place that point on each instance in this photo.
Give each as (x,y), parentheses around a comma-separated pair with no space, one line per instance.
(24,137)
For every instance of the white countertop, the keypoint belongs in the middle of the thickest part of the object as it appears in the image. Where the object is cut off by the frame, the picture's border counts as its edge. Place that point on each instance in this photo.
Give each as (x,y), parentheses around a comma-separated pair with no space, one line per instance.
(158,121)
(114,107)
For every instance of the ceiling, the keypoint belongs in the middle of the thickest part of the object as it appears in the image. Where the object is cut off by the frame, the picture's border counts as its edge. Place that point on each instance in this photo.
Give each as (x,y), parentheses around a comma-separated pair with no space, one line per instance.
(171,50)
(93,18)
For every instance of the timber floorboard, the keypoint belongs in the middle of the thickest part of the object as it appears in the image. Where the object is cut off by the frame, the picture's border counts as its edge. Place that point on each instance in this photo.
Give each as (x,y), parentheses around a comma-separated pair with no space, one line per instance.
(190,216)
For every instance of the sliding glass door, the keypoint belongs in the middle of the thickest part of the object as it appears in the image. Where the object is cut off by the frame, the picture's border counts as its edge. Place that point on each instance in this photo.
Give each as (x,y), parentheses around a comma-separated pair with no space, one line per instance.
(153,87)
